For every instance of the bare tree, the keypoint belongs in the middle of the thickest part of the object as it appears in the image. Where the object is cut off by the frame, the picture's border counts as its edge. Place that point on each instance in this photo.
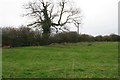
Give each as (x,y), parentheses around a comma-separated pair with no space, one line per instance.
(50,16)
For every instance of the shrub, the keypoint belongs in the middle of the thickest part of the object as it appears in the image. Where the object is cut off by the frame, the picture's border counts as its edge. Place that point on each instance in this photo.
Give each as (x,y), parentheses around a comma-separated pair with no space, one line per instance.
(114,37)
(9,36)
(22,36)
(107,38)
(86,38)
(66,37)
(99,38)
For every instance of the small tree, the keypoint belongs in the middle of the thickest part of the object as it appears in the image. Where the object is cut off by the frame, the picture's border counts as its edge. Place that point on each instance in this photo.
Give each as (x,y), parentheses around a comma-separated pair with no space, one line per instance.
(50,17)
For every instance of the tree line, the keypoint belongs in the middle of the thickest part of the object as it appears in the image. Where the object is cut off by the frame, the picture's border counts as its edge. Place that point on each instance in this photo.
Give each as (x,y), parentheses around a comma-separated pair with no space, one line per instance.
(24,36)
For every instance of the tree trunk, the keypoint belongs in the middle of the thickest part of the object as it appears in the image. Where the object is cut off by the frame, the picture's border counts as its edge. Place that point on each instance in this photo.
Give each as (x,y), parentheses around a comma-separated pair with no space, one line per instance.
(46,25)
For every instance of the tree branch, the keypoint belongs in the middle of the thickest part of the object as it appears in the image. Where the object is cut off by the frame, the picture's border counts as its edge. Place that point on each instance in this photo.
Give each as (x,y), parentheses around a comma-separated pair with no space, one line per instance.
(34,23)
(62,8)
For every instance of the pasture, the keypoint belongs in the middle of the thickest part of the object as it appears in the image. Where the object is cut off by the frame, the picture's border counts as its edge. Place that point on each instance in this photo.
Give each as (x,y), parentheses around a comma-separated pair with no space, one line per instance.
(72,60)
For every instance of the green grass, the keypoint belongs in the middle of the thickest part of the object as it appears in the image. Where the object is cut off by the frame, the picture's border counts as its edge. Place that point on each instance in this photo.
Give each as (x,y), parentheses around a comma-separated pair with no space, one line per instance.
(78,60)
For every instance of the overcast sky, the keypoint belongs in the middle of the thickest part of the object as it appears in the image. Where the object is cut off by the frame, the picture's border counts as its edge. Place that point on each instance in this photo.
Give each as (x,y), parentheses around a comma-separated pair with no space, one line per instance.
(100,17)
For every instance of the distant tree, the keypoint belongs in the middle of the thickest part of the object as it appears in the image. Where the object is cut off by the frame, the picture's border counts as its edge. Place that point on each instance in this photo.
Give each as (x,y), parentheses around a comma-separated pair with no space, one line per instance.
(107,38)
(86,38)
(99,38)
(51,17)
(25,36)
(66,37)
(114,37)
(22,36)
(119,38)
(8,36)
(5,38)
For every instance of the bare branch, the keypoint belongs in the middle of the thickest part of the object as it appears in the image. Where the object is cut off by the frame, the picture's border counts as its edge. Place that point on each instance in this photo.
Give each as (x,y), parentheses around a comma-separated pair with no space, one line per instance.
(34,23)
(45,13)
(62,8)
(51,11)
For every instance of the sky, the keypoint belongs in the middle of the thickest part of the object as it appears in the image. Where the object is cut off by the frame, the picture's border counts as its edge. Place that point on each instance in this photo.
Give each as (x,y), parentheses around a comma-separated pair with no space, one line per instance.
(100,17)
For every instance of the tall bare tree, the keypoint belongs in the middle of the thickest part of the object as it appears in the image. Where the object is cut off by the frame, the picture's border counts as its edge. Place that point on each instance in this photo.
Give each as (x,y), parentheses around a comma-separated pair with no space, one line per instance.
(50,16)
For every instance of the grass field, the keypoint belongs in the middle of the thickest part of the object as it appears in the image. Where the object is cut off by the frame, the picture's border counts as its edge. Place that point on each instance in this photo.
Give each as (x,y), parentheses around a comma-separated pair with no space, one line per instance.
(78,60)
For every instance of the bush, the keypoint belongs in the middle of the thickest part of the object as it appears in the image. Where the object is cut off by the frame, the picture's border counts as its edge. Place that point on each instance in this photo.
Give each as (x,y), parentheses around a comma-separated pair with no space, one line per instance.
(66,37)
(9,36)
(114,37)
(13,37)
(99,38)
(86,38)
(107,38)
